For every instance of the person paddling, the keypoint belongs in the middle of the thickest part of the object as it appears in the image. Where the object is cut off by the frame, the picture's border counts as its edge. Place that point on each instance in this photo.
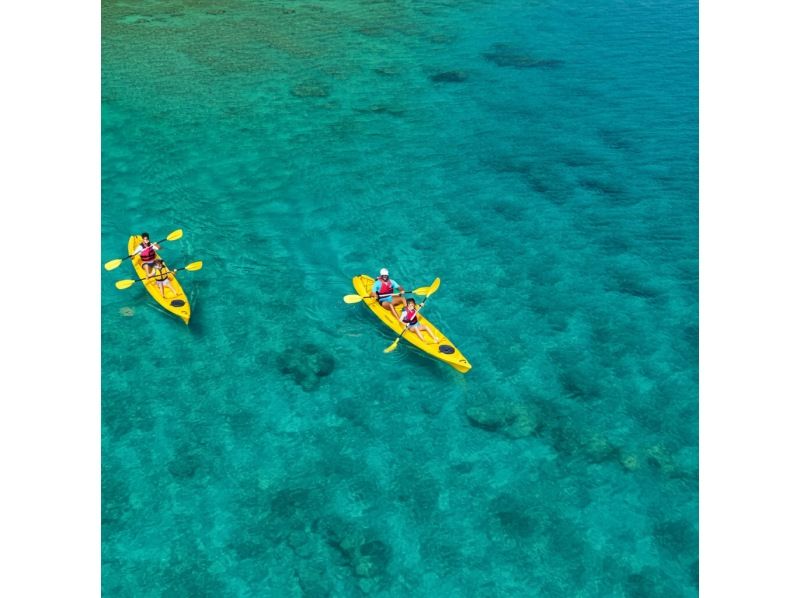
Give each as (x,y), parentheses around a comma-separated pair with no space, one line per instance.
(161,273)
(388,293)
(147,253)
(409,318)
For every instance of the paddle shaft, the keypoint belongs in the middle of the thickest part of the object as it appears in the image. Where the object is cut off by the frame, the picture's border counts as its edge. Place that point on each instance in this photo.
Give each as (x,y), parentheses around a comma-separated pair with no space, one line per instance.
(170,272)
(138,252)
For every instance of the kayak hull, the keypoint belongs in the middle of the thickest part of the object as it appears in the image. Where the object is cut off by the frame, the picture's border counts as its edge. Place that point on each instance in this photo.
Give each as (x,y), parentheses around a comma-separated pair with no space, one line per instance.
(444,350)
(174,301)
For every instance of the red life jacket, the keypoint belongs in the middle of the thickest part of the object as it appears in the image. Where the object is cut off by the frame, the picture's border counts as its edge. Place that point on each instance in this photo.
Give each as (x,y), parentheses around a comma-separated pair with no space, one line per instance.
(148,254)
(410,317)
(386,287)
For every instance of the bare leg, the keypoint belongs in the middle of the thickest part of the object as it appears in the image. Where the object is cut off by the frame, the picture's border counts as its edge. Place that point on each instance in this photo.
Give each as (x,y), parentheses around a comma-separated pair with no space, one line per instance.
(435,339)
(390,308)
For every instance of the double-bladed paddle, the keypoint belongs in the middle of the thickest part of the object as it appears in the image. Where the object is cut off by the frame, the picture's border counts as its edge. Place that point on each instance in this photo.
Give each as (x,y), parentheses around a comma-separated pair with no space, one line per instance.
(124,284)
(173,236)
(357,298)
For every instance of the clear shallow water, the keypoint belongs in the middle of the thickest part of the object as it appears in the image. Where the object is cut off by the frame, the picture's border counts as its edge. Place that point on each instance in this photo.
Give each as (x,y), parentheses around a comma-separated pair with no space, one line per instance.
(541,160)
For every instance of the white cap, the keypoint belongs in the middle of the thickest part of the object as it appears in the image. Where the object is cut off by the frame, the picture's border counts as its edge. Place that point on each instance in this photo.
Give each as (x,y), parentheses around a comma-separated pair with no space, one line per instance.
(384,272)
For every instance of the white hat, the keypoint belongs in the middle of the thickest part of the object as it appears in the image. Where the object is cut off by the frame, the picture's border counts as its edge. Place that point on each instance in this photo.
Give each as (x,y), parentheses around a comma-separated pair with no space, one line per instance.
(384,272)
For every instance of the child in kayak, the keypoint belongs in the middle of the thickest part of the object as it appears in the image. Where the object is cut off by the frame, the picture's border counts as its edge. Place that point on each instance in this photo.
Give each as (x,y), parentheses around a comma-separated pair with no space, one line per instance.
(409,318)
(388,293)
(161,273)
(147,253)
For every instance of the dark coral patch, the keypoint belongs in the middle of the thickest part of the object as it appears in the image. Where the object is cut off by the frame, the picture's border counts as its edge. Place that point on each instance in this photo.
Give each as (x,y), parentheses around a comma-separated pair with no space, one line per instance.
(306,364)
(512,420)
(449,77)
(506,55)
(357,548)
(512,515)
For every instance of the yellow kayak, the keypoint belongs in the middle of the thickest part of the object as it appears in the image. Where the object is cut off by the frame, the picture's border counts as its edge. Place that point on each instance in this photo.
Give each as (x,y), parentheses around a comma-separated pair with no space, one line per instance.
(175,300)
(443,350)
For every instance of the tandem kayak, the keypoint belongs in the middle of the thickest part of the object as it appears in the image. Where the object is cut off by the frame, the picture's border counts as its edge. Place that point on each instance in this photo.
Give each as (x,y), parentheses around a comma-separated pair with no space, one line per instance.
(175,302)
(444,350)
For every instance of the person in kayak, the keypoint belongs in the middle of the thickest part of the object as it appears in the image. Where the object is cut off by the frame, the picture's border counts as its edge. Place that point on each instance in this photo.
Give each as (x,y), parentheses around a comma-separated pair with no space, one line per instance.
(388,293)
(147,252)
(409,318)
(161,273)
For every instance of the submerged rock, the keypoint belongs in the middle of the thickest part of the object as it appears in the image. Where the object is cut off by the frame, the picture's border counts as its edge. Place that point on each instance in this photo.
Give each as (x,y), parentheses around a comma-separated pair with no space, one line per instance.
(367,556)
(597,448)
(630,462)
(184,466)
(514,420)
(371,559)
(508,56)
(306,364)
(449,77)
(512,515)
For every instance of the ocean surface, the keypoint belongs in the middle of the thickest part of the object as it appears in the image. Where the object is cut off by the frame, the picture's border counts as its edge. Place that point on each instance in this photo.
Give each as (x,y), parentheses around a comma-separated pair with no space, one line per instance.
(541,158)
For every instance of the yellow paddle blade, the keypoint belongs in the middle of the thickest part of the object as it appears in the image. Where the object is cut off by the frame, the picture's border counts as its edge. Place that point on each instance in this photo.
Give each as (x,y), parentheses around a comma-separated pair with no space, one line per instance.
(352,298)
(393,346)
(112,264)
(124,284)
(175,235)
(194,266)
(427,290)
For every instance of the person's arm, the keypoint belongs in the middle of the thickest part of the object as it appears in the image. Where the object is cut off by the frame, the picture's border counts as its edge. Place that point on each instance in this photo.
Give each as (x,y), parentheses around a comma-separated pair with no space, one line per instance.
(400,289)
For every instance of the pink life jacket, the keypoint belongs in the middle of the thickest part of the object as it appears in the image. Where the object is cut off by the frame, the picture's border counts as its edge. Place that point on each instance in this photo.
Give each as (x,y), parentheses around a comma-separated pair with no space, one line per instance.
(148,254)
(386,287)
(410,317)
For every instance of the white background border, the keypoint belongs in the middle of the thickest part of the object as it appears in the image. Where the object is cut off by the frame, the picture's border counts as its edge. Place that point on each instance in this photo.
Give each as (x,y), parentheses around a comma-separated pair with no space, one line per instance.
(50,381)
(749,300)
(749,316)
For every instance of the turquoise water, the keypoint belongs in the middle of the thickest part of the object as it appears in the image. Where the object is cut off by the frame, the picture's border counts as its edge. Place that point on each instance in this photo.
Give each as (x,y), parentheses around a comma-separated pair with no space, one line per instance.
(542,160)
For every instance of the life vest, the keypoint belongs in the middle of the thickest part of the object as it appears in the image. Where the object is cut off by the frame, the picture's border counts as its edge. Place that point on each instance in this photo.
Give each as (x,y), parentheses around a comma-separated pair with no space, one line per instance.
(386,287)
(148,254)
(410,317)
(161,274)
